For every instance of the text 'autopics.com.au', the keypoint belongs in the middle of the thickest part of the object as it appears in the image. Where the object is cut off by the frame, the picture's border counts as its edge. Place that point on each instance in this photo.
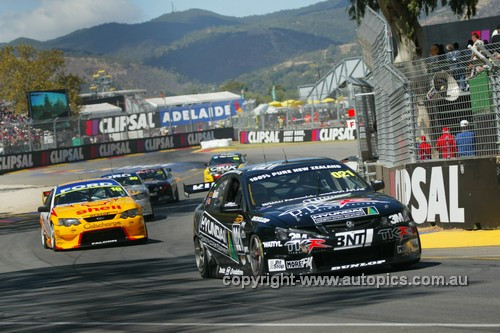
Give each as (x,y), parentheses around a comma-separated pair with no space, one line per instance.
(378,281)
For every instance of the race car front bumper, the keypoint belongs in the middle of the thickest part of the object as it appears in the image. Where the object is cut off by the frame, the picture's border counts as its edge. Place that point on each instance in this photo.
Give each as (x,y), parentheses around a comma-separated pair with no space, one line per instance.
(286,257)
(90,234)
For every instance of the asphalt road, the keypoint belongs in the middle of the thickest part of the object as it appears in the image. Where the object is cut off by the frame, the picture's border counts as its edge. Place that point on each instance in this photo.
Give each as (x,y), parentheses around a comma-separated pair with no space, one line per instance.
(155,287)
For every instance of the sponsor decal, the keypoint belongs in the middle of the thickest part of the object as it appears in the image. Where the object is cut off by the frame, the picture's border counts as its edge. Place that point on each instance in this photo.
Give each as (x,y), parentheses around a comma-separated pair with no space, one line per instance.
(196,138)
(217,236)
(264,137)
(344,214)
(16,161)
(276,265)
(114,149)
(294,136)
(223,168)
(132,122)
(238,219)
(96,225)
(230,271)
(302,263)
(66,155)
(334,134)
(305,245)
(237,233)
(105,242)
(98,209)
(292,171)
(353,239)
(260,219)
(323,204)
(159,143)
(198,113)
(358,265)
(271,244)
(396,218)
(398,232)
(84,185)
(435,198)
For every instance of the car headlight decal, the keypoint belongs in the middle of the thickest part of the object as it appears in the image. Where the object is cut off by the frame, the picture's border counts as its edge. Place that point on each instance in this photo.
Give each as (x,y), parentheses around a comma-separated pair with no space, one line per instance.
(67,222)
(130,213)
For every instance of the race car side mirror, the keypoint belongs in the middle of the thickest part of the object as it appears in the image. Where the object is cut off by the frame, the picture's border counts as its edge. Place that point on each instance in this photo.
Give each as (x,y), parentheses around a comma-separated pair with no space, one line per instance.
(43,209)
(377,185)
(231,207)
(205,164)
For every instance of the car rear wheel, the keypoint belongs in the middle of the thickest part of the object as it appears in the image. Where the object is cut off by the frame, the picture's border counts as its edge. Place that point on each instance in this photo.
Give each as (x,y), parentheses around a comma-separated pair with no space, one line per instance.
(205,267)
(44,238)
(256,256)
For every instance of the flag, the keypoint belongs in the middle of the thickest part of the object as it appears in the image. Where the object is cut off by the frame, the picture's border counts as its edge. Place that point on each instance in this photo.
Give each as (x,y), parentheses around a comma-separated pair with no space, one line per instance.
(238,107)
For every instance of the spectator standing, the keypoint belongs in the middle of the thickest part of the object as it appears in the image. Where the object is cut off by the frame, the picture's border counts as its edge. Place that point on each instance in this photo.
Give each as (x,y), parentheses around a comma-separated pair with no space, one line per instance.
(495,35)
(466,140)
(424,149)
(446,144)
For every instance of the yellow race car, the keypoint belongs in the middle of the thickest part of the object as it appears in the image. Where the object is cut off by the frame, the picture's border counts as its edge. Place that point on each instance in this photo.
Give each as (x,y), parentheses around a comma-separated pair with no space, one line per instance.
(222,163)
(90,213)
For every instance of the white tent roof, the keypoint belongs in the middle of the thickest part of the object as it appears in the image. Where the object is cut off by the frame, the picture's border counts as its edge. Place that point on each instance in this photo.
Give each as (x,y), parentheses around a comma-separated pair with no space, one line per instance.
(101,110)
(192,99)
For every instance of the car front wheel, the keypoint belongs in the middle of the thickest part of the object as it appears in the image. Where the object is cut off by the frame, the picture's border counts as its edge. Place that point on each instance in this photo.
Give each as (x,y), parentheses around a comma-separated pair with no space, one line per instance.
(205,267)
(44,238)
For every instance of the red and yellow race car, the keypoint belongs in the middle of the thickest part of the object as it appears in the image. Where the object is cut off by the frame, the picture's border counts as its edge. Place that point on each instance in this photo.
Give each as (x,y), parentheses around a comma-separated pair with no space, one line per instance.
(90,213)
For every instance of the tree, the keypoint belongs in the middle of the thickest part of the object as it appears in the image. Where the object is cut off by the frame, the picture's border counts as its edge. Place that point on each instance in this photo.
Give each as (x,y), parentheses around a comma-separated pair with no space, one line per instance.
(24,68)
(402,16)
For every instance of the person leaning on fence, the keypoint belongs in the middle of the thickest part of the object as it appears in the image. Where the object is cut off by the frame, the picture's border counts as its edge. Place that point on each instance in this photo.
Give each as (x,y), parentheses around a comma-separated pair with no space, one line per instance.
(424,149)
(466,140)
(446,144)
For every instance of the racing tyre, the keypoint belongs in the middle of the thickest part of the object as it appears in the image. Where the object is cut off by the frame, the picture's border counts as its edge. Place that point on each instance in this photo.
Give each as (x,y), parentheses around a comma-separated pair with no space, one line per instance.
(53,239)
(205,267)
(176,195)
(256,259)
(44,239)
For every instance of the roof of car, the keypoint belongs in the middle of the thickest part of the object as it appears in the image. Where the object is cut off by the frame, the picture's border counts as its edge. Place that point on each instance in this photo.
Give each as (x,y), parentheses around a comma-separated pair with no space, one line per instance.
(90,180)
(120,174)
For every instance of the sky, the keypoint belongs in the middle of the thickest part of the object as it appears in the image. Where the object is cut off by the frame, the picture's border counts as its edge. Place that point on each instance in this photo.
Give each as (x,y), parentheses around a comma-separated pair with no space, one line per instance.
(47,19)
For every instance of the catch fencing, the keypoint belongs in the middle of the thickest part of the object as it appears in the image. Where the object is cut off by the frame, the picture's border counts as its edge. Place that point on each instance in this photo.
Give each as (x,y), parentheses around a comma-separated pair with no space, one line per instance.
(18,135)
(442,107)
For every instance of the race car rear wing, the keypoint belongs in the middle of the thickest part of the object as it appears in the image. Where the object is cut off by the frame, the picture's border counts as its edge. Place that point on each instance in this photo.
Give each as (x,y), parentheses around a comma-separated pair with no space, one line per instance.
(196,188)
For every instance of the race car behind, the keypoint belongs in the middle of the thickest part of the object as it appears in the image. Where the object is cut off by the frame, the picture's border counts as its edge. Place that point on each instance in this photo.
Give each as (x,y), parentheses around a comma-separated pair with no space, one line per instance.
(136,188)
(90,213)
(221,163)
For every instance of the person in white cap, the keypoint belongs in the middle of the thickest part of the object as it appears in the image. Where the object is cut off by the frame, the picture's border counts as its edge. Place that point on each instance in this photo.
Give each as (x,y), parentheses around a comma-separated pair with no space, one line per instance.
(466,140)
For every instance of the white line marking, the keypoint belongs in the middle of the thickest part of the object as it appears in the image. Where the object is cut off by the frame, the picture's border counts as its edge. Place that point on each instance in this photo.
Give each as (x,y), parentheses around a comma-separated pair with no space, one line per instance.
(72,323)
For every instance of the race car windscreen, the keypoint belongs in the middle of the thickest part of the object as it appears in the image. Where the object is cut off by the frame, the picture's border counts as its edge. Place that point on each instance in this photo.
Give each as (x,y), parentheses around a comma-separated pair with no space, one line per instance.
(79,195)
(151,175)
(224,160)
(128,180)
(278,186)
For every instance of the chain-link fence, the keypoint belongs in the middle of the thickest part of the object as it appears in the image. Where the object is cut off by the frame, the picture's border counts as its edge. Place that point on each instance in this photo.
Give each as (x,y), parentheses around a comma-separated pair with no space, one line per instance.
(446,106)
(308,116)
(18,134)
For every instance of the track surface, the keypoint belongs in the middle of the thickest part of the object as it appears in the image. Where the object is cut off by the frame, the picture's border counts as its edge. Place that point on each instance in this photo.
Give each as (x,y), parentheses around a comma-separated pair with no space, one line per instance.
(155,287)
